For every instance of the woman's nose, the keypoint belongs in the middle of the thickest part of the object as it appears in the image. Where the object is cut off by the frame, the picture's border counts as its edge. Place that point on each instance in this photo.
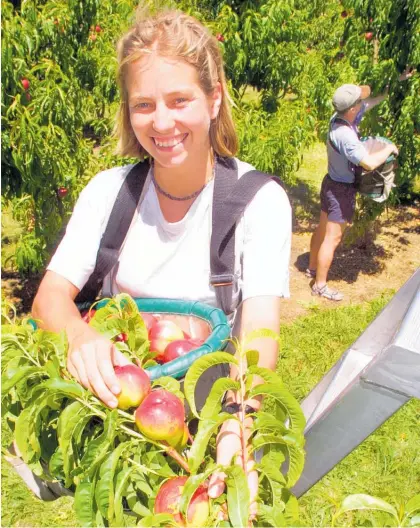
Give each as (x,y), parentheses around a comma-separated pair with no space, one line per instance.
(163,120)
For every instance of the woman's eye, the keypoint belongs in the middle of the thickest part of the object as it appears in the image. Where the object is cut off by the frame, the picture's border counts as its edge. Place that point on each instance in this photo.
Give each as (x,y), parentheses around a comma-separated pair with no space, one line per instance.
(180,100)
(142,105)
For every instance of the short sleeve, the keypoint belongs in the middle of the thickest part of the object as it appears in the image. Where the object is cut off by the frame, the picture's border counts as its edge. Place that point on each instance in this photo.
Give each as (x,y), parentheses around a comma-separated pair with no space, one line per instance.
(267,243)
(75,257)
(349,144)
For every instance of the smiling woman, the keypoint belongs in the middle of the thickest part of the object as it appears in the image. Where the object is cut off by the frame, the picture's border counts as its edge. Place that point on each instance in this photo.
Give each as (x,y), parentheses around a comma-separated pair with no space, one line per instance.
(175,117)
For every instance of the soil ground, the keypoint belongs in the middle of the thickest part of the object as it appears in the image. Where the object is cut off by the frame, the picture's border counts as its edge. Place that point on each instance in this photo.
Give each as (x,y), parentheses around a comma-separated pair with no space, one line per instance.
(361,271)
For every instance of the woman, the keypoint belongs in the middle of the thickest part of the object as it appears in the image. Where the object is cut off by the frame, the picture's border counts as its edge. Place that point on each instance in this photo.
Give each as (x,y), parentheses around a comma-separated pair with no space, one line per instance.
(174,109)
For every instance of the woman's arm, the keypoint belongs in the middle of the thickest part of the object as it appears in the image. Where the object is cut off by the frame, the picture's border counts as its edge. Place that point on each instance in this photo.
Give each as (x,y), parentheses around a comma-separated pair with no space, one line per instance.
(90,357)
(260,312)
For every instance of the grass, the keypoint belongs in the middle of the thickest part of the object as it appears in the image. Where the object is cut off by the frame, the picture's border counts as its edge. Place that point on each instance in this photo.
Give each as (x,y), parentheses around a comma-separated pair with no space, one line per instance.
(387,464)
(314,166)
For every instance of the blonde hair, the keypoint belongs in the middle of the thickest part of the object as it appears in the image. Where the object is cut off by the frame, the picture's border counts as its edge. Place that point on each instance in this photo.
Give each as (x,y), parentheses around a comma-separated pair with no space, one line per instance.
(172,33)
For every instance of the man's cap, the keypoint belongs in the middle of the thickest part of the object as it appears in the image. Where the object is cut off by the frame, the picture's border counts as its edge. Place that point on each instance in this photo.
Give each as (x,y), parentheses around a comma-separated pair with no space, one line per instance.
(347,95)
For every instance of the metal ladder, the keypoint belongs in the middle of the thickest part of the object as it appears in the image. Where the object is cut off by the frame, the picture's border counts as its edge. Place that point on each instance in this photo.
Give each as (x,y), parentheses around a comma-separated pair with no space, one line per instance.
(376,376)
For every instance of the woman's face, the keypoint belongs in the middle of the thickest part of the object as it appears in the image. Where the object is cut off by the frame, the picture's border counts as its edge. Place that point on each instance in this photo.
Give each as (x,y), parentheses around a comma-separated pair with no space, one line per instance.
(169,112)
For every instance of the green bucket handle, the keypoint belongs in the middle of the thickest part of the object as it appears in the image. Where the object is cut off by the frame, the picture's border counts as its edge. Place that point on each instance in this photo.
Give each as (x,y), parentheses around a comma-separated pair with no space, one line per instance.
(216,318)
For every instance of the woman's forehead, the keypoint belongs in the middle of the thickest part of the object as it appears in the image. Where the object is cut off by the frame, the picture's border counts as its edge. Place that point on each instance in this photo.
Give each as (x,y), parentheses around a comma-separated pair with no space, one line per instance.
(167,73)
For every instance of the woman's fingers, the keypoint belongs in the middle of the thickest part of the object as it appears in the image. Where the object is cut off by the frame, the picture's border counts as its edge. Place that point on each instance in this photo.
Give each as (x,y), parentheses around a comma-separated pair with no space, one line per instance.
(91,359)
(77,369)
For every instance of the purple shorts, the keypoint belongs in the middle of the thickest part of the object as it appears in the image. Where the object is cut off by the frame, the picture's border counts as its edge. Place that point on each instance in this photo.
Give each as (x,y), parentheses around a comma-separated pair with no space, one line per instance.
(338,200)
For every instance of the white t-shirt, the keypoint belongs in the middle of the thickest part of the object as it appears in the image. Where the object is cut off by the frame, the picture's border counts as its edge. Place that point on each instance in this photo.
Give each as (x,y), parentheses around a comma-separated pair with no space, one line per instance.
(172,260)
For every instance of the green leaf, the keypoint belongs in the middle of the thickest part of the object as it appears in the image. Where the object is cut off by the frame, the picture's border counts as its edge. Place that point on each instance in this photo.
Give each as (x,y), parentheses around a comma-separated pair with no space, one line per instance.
(213,401)
(73,417)
(21,374)
(66,388)
(83,503)
(170,384)
(120,489)
(292,511)
(205,430)
(360,501)
(412,505)
(295,449)
(264,420)
(252,357)
(197,368)
(104,492)
(97,449)
(286,400)
(191,486)
(260,333)
(238,499)
(272,515)
(160,519)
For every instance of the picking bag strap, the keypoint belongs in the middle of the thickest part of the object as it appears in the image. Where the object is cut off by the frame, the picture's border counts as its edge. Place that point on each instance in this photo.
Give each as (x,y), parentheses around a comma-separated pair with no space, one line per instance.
(227,211)
(116,230)
(222,278)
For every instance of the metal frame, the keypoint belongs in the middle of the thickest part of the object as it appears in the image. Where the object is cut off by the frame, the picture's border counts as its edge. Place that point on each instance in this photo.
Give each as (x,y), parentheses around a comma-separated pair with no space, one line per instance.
(376,376)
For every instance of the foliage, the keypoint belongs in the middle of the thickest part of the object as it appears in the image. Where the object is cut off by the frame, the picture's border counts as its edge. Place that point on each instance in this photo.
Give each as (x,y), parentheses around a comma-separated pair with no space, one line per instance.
(292,53)
(64,432)
(408,515)
(395,45)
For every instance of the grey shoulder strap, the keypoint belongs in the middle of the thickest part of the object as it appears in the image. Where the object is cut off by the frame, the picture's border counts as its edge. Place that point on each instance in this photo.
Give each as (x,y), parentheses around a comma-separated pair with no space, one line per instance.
(231,197)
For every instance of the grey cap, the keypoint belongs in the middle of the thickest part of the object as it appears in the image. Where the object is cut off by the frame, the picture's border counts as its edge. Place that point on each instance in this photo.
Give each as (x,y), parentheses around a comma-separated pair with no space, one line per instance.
(347,95)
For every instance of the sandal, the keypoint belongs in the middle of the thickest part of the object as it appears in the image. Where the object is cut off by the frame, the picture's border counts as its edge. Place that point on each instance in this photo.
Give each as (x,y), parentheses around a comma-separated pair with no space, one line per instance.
(332,295)
(310,273)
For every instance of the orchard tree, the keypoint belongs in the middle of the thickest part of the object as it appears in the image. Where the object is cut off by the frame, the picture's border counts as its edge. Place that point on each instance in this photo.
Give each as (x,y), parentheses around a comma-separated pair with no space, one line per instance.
(382,39)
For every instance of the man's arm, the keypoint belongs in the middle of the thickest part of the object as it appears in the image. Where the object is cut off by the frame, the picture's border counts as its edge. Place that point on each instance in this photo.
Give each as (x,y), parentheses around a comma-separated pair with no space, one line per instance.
(371,161)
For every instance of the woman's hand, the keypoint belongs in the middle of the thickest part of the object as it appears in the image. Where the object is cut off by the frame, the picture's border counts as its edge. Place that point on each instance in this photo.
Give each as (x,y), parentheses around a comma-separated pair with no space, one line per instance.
(91,359)
(229,445)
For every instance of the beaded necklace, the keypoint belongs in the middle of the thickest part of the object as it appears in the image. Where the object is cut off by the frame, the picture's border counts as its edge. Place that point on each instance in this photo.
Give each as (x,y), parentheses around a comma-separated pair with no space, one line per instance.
(177,198)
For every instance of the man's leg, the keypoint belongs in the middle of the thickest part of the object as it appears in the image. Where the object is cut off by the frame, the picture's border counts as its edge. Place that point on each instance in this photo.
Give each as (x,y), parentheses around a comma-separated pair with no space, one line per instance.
(317,239)
(333,235)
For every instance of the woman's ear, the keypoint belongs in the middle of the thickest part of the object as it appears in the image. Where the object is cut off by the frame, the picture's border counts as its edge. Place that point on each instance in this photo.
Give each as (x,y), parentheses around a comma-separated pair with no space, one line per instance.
(216,101)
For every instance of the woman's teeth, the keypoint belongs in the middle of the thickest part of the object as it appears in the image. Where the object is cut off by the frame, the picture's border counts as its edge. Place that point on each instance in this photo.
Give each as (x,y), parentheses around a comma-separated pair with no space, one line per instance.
(170,142)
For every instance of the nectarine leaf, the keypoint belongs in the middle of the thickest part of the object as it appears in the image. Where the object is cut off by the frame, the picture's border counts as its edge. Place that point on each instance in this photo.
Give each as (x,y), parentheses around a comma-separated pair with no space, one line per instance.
(266,422)
(283,398)
(252,357)
(266,374)
(170,384)
(238,499)
(205,430)
(272,515)
(197,368)
(83,503)
(134,502)
(73,417)
(18,375)
(159,519)
(120,488)
(193,482)
(98,448)
(63,387)
(295,449)
(271,464)
(104,492)
(213,402)
(260,333)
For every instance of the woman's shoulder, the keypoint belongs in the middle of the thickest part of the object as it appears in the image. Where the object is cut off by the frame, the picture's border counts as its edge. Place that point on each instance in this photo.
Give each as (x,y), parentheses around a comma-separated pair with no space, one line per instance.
(269,193)
(108,179)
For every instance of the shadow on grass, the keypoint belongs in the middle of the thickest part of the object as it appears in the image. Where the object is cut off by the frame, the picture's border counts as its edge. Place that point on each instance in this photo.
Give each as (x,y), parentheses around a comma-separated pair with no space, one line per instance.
(364,256)
(305,203)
